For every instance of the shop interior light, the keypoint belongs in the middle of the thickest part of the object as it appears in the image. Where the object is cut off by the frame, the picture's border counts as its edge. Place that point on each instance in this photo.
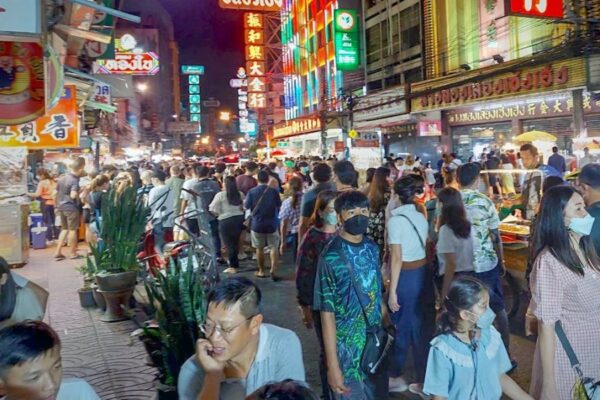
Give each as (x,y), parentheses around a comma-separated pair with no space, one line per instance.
(142,87)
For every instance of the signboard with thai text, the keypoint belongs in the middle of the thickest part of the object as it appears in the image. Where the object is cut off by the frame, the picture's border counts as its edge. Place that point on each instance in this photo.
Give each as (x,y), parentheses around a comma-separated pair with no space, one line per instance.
(183,127)
(346,40)
(296,127)
(102,93)
(535,8)
(57,129)
(251,5)
(129,63)
(566,74)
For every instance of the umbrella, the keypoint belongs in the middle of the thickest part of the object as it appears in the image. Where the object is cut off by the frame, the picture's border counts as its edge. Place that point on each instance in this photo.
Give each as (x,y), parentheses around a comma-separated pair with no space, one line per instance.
(535,135)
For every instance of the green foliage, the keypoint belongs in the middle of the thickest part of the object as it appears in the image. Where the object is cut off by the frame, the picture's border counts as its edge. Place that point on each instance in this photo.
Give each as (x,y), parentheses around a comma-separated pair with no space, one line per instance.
(123,224)
(179,301)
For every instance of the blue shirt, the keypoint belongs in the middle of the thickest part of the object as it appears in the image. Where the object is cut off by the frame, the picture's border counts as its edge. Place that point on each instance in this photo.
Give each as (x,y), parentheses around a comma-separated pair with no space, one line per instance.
(557,162)
(457,372)
(266,209)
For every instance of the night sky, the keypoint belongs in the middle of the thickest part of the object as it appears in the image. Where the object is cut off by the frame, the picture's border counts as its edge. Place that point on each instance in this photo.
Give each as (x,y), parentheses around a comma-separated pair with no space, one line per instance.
(210,36)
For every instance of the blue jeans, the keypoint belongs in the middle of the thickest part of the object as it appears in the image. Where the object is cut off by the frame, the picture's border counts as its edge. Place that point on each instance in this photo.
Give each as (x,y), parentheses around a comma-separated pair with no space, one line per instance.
(408,322)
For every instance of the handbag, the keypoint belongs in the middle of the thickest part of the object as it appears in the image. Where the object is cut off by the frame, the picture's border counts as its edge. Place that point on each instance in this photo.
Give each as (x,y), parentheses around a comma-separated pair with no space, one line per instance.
(249,215)
(584,388)
(378,341)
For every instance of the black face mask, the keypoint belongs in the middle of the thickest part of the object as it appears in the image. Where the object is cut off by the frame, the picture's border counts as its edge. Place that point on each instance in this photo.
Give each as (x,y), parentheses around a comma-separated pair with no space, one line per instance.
(357,225)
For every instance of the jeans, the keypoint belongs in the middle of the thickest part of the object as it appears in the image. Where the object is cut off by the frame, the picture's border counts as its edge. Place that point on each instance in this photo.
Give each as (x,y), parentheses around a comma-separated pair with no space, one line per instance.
(231,230)
(408,322)
(374,387)
(49,218)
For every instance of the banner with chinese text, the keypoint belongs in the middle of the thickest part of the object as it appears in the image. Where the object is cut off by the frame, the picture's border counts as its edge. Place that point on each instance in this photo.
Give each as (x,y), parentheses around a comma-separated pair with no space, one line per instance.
(57,129)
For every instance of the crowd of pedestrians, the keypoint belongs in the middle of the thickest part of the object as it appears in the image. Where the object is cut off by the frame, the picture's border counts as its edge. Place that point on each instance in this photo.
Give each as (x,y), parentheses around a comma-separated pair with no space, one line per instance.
(407,255)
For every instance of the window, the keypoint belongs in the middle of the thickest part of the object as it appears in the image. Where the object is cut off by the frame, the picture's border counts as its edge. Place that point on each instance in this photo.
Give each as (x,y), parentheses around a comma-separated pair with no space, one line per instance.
(411,27)
(393,80)
(374,85)
(395,34)
(413,75)
(384,38)
(373,44)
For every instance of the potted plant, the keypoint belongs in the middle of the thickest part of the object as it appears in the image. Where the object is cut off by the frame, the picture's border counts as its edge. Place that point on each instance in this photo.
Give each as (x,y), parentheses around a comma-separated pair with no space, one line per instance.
(178,304)
(114,258)
(86,293)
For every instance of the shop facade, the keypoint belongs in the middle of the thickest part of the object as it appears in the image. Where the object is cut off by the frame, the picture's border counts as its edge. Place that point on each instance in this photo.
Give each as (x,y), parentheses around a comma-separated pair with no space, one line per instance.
(487,114)
(303,137)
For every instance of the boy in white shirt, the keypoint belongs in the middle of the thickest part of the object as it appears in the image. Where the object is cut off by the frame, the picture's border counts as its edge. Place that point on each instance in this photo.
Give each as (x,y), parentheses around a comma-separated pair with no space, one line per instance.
(31,366)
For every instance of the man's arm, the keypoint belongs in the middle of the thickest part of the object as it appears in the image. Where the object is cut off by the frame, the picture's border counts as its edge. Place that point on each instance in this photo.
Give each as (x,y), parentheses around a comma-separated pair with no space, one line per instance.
(497,241)
(335,376)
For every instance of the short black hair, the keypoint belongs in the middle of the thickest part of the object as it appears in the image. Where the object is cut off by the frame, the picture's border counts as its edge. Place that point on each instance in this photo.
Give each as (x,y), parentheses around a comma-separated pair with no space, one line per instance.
(220,167)
(399,159)
(235,290)
(25,341)
(590,175)
(550,182)
(285,390)
(530,148)
(263,176)
(468,173)
(407,187)
(345,172)
(554,149)
(272,165)
(203,172)
(350,200)
(159,174)
(322,172)
(251,166)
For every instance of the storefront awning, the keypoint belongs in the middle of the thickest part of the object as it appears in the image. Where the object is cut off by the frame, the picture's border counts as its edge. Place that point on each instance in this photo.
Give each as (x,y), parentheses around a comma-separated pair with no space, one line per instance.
(379,123)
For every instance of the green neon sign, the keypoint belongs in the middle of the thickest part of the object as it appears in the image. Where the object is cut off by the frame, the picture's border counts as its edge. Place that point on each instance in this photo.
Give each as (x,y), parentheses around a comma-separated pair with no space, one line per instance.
(194,99)
(192,69)
(346,40)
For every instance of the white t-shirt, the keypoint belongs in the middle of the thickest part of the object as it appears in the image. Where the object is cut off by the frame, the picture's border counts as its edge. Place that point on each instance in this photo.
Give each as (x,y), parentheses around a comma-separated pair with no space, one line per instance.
(162,205)
(76,389)
(400,231)
(448,242)
(191,200)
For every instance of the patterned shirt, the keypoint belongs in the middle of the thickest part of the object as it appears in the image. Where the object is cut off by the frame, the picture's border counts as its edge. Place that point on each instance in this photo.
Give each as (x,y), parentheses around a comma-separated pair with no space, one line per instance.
(306,263)
(484,218)
(292,214)
(334,293)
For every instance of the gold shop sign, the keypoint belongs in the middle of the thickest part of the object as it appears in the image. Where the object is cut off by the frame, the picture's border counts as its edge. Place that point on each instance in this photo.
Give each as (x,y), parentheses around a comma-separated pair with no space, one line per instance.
(296,127)
(556,76)
(526,109)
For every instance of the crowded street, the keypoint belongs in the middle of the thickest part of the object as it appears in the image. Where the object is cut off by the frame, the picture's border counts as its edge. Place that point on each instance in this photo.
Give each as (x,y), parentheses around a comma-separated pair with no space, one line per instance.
(299,199)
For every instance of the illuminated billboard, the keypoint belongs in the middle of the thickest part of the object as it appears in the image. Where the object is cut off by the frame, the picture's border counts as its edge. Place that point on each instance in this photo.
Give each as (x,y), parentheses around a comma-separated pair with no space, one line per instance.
(135,53)
(535,8)
(251,5)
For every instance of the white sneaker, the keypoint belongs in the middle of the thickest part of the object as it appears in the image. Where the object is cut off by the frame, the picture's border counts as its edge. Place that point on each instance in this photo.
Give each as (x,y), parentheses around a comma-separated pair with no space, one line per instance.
(417,388)
(398,384)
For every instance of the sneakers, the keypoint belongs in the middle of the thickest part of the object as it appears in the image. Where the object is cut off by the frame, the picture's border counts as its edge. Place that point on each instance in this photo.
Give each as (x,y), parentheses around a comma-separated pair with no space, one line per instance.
(417,388)
(398,384)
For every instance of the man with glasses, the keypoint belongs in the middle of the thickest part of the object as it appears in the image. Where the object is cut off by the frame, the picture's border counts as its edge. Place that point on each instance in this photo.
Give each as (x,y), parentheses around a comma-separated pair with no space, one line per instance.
(239,353)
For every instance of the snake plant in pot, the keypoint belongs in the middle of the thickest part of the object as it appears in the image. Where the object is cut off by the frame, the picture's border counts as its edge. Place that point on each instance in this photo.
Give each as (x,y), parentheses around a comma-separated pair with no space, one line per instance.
(114,258)
(177,298)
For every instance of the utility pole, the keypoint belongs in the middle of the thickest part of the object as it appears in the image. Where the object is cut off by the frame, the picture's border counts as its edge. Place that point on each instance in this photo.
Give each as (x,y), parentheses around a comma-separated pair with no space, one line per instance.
(323,118)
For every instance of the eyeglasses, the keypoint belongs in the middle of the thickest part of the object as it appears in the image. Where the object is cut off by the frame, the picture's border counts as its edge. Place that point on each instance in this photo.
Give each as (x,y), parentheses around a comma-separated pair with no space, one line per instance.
(209,328)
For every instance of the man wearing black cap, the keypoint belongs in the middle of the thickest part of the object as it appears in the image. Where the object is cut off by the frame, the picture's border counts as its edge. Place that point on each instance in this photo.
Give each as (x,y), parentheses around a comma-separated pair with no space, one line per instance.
(589,182)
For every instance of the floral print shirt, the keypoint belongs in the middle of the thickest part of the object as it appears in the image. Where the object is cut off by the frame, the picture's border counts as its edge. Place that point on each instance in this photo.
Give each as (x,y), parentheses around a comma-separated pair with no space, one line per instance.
(484,219)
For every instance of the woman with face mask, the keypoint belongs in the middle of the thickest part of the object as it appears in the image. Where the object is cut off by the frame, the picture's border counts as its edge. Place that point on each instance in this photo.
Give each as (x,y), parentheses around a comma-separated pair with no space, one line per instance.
(323,226)
(407,231)
(467,359)
(565,287)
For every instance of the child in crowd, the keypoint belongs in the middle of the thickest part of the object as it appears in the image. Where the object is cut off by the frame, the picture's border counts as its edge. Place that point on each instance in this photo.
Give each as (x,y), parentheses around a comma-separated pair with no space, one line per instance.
(468,359)
(31,366)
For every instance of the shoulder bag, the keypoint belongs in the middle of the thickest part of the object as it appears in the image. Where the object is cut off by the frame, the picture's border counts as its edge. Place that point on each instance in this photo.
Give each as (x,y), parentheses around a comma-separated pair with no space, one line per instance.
(378,341)
(584,388)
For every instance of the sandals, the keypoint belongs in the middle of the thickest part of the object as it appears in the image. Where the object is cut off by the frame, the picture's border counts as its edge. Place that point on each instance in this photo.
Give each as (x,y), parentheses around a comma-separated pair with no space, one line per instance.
(260,275)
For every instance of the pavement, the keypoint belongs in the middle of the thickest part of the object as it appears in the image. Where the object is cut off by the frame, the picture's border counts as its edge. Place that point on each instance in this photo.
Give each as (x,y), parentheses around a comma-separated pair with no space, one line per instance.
(115,365)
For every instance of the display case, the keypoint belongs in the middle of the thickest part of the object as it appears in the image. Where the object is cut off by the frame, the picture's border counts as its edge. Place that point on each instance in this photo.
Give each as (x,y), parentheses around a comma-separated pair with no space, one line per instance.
(14,233)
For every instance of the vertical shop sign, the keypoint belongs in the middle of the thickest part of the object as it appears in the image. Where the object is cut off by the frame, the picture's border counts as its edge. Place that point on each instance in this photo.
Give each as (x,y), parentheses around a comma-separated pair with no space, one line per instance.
(347,43)
(255,59)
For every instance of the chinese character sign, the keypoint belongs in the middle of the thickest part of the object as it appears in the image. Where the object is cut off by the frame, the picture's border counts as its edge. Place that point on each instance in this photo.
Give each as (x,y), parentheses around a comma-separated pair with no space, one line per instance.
(256,67)
(58,128)
(347,43)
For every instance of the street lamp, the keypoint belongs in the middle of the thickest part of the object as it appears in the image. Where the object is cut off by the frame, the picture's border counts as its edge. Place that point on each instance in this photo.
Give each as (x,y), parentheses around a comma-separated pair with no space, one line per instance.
(225,116)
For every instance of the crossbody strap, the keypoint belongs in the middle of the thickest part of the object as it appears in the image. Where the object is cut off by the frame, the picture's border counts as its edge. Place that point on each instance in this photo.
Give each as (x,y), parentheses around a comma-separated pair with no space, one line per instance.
(562,336)
(353,283)
(415,228)
(259,200)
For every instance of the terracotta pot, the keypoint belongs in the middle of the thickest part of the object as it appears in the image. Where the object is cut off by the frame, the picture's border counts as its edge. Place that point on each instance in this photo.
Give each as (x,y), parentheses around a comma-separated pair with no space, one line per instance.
(100,302)
(86,297)
(116,282)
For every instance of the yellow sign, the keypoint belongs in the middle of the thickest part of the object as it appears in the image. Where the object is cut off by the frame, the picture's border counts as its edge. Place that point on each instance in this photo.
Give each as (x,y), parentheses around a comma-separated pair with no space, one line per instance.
(452,92)
(353,134)
(297,127)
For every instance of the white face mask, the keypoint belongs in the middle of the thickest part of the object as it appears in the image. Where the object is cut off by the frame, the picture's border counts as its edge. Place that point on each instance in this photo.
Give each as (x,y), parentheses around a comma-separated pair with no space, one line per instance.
(583,226)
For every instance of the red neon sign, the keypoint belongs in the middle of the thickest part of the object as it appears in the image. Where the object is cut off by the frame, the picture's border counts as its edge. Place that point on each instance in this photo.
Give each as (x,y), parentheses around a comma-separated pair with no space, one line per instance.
(536,8)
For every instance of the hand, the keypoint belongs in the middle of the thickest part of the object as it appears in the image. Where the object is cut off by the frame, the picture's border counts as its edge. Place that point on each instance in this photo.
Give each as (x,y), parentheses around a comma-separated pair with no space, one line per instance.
(336,380)
(307,318)
(531,325)
(203,355)
(393,302)
(502,269)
